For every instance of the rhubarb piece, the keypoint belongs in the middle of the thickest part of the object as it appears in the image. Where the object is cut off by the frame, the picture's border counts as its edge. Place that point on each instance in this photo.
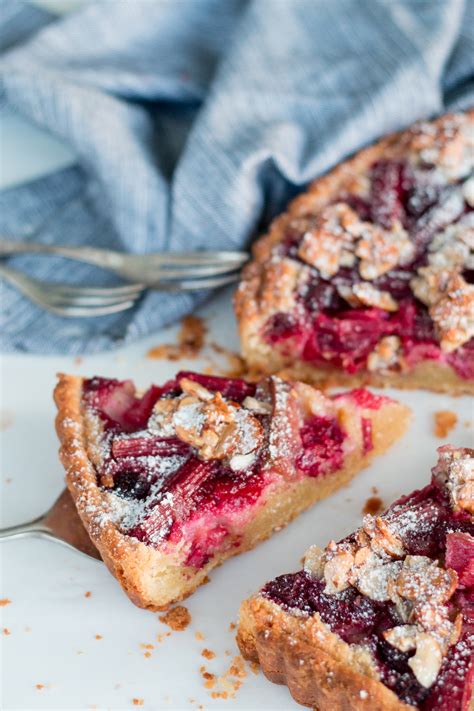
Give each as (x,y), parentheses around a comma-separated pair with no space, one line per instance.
(172,482)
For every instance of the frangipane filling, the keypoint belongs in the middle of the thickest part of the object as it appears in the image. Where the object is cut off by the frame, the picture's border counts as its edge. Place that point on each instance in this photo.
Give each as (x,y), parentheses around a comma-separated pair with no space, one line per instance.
(402,587)
(185,466)
(383,277)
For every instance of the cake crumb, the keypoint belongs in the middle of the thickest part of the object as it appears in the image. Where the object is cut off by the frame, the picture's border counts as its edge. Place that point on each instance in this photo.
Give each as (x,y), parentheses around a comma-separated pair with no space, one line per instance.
(6,419)
(190,341)
(198,636)
(255,667)
(374,490)
(6,631)
(232,626)
(147,646)
(373,505)
(87,594)
(445,421)
(208,653)
(98,636)
(178,618)
(235,363)
(138,702)
(5,601)
(39,686)
(147,654)
(161,636)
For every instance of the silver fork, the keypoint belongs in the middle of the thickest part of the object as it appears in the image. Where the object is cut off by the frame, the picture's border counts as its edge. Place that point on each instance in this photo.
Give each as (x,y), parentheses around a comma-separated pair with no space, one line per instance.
(60,523)
(147,269)
(86,301)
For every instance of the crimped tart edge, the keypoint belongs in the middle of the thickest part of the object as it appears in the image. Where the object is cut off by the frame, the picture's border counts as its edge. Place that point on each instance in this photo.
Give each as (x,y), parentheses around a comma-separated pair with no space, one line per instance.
(154,580)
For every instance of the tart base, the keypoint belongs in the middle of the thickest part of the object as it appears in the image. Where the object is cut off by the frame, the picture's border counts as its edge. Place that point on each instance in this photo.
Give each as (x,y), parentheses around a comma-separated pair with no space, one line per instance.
(155,580)
(319,668)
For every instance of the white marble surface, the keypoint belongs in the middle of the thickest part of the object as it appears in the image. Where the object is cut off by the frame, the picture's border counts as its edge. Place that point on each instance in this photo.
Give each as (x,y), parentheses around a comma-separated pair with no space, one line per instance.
(52,625)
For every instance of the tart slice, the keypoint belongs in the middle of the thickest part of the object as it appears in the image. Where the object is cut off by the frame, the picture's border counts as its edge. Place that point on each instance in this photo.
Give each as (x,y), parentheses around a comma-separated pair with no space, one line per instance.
(171,482)
(384,619)
(368,278)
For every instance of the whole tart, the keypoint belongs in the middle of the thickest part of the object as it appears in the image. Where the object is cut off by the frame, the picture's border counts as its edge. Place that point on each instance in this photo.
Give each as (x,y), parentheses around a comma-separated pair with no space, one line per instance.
(383,619)
(368,278)
(171,482)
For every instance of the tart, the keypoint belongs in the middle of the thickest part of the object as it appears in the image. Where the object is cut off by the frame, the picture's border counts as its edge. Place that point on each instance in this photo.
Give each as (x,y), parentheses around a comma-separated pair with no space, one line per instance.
(171,482)
(383,619)
(368,278)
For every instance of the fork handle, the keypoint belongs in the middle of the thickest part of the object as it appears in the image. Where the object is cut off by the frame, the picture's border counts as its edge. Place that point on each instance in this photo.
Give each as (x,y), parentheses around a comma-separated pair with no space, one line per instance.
(90,255)
(25,529)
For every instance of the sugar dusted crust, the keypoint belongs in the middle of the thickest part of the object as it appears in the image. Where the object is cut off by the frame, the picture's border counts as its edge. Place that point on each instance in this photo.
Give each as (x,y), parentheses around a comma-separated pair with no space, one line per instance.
(320,669)
(260,291)
(151,578)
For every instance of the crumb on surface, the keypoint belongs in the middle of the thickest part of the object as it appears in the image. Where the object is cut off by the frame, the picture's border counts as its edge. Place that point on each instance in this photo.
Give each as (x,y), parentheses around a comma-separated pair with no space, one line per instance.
(190,341)
(232,626)
(199,636)
(147,646)
(162,635)
(373,505)
(147,654)
(178,618)
(5,601)
(6,631)
(6,419)
(255,667)
(208,653)
(225,686)
(374,490)
(98,636)
(87,594)
(138,702)
(39,686)
(445,421)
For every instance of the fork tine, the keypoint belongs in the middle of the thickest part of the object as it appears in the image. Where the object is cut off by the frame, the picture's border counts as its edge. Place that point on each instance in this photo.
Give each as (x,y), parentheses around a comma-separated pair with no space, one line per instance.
(196,284)
(198,258)
(113,292)
(90,311)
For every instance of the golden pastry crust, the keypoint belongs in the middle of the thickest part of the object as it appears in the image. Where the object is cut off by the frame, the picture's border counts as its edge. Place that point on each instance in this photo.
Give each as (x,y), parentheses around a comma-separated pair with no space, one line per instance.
(154,579)
(259,294)
(320,669)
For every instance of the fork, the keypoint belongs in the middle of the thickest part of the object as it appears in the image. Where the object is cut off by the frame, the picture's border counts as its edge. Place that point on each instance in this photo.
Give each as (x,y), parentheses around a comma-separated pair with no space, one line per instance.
(87,301)
(147,269)
(60,523)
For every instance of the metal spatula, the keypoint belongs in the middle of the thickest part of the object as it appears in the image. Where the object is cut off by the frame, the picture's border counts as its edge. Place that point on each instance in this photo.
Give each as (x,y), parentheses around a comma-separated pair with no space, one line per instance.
(61,524)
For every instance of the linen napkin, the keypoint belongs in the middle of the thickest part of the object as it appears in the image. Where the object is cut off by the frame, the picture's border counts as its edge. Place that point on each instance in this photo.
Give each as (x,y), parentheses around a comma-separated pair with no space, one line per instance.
(194,121)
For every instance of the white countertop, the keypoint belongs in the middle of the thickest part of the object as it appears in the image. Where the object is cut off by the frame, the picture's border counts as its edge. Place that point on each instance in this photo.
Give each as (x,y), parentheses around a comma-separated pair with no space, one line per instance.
(51,658)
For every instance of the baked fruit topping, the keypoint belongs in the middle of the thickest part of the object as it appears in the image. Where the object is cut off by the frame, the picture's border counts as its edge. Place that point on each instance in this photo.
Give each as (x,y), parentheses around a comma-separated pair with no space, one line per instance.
(389,610)
(172,481)
(369,276)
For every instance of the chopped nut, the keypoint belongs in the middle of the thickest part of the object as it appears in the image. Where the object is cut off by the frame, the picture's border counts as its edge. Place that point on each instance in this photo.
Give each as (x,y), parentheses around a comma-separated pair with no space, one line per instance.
(453,314)
(382,540)
(336,571)
(381,250)
(328,243)
(314,561)
(368,295)
(385,355)
(461,483)
(421,577)
(216,428)
(402,638)
(373,578)
(431,283)
(427,660)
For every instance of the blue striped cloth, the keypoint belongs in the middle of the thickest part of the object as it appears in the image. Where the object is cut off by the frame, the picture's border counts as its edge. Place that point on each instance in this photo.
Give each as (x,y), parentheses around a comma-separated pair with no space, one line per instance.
(194,121)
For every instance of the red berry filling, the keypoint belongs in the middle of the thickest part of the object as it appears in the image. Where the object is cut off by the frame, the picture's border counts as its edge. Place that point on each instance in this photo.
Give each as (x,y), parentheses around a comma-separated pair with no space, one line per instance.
(428,527)
(324,330)
(173,496)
